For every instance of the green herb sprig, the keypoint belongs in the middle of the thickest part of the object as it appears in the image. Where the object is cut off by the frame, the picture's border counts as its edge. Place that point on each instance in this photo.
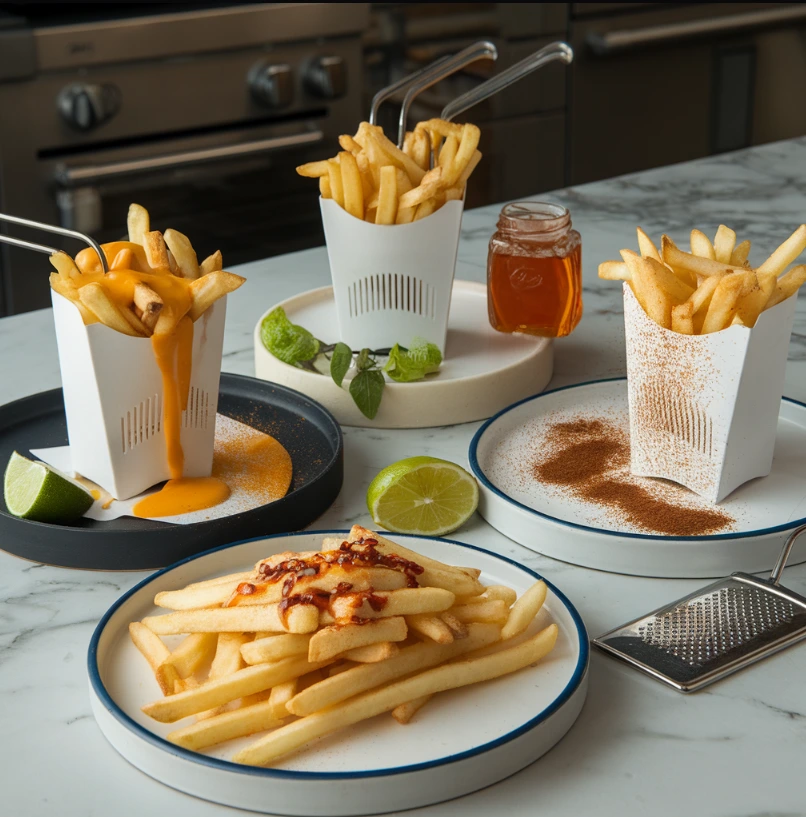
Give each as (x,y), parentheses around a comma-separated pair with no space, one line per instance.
(295,345)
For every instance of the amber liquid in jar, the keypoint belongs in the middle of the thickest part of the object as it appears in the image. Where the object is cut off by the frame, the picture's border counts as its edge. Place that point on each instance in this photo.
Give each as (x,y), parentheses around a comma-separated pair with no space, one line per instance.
(534,271)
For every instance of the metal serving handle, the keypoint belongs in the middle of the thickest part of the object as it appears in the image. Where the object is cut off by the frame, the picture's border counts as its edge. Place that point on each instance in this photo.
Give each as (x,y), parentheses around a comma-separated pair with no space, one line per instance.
(72,176)
(775,576)
(554,51)
(615,41)
(438,71)
(48,228)
(391,90)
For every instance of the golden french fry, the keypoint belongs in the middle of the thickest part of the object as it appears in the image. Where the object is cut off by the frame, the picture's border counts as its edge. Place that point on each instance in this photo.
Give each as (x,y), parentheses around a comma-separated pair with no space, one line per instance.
(701,245)
(314,170)
(441,126)
(788,285)
(448,152)
(421,149)
(467,147)
(457,628)
(724,242)
(755,297)
(352,187)
(395,156)
(226,726)
(227,659)
(192,653)
(412,659)
(137,223)
(148,302)
(524,610)
(431,627)
(454,194)
(281,695)
(655,300)
(265,618)
(493,592)
(451,676)
(364,169)
(182,250)
(493,611)
(737,320)
(701,297)
(679,260)
(275,647)
(220,691)
(646,246)
(65,265)
(683,318)
(349,144)
(336,186)
(430,185)
(332,641)
(372,213)
(740,254)
(136,323)
(723,304)
(67,289)
(405,712)
(156,250)
(786,253)
(425,209)
(614,271)
(405,602)
(94,297)
(153,650)
(206,290)
(372,653)
(229,578)
(678,290)
(407,142)
(471,166)
(212,263)
(324,187)
(403,182)
(387,196)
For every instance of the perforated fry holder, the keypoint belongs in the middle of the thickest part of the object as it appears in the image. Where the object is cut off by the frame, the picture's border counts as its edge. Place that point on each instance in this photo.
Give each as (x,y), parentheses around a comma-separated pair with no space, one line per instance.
(713,632)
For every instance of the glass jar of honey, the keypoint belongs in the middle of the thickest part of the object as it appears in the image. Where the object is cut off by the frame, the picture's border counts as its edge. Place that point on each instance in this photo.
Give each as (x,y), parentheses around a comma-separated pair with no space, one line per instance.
(534,271)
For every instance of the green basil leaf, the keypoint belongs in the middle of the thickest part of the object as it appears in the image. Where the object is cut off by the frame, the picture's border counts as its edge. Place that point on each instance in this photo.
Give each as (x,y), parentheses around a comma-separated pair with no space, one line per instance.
(287,341)
(340,362)
(422,358)
(366,389)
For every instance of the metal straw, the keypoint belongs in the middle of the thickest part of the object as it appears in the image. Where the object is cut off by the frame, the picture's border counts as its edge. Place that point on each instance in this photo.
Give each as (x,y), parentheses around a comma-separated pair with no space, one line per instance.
(391,90)
(438,71)
(555,51)
(48,228)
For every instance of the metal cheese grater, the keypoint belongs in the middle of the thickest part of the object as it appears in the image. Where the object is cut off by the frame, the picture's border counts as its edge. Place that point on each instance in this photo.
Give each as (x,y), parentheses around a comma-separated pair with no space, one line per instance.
(713,632)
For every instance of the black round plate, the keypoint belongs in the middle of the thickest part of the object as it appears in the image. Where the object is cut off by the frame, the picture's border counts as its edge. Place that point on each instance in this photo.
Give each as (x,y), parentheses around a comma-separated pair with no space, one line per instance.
(308,431)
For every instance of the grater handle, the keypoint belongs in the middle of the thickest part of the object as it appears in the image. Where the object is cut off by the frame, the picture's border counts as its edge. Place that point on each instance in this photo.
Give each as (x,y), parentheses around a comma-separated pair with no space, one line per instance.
(775,576)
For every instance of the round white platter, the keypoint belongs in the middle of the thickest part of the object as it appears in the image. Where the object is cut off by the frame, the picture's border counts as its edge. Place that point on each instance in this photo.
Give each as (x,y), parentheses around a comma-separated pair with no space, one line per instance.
(464,740)
(482,372)
(554,522)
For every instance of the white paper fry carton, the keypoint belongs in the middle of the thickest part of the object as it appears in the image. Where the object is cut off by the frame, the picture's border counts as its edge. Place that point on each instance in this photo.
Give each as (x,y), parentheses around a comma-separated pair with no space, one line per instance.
(392,283)
(113,401)
(704,408)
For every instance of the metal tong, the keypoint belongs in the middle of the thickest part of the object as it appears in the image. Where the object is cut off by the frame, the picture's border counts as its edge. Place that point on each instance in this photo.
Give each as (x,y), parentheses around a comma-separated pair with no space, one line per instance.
(48,228)
(554,51)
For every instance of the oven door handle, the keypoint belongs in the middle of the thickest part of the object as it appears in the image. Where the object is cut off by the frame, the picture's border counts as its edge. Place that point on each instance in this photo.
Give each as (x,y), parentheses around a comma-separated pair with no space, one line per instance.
(611,42)
(91,174)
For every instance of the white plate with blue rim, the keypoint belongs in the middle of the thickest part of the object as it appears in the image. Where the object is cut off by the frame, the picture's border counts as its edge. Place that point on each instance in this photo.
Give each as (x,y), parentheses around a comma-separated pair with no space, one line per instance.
(462,741)
(556,522)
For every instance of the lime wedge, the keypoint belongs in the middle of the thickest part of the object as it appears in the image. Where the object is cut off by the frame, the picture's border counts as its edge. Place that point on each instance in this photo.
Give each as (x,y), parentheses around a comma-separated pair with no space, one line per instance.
(34,490)
(422,495)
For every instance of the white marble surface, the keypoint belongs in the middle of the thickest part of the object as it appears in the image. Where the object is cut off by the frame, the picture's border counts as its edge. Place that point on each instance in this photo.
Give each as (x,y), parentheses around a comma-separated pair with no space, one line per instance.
(734,750)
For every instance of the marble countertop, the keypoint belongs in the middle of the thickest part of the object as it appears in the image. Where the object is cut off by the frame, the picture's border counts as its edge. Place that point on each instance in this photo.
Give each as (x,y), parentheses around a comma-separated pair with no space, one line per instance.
(637,748)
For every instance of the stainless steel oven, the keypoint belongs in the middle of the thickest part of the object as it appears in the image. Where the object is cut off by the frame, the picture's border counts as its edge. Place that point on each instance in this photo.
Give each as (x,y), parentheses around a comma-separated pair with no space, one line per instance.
(199,114)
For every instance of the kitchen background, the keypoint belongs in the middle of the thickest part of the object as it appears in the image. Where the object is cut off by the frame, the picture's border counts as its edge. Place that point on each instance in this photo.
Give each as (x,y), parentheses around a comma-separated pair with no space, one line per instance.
(201,112)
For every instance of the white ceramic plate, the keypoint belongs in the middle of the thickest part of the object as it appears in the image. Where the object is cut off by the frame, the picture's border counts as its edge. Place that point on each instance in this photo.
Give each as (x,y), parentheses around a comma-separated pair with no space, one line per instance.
(483,370)
(557,524)
(463,741)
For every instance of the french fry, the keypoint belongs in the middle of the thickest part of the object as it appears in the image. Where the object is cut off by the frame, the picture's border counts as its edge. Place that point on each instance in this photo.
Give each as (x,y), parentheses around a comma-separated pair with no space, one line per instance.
(324,187)
(280,695)
(123,260)
(701,245)
(336,186)
(646,247)
(227,659)
(786,253)
(275,647)
(372,653)
(677,259)
(154,651)
(614,271)
(137,223)
(442,127)
(212,263)
(493,611)
(677,289)
(387,196)
(421,149)
(220,691)
(364,169)
(205,291)
(226,726)
(430,185)
(349,144)
(683,318)
(182,250)
(524,610)
(740,254)
(431,627)
(425,209)
(467,147)
(701,297)
(67,289)
(788,285)
(134,321)
(412,659)
(737,320)
(752,302)
(314,170)
(156,250)
(471,166)
(303,618)
(723,304)
(94,297)
(65,265)
(395,156)
(724,242)
(494,591)
(148,302)
(192,653)
(403,713)
(450,676)
(405,602)
(448,152)
(654,299)
(229,578)
(458,628)
(352,187)
(332,641)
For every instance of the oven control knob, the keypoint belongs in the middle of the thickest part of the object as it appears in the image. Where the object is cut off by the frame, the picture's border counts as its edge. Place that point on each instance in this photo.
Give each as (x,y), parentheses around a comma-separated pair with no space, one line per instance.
(326,77)
(84,106)
(271,85)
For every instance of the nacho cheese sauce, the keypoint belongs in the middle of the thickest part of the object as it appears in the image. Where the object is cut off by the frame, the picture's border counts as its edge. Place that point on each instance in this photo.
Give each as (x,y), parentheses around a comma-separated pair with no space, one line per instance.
(173,352)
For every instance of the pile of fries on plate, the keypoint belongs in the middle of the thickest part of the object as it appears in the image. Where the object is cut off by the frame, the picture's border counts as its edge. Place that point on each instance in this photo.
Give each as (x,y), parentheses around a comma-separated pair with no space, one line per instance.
(712,287)
(309,643)
(375,181)
(150,255)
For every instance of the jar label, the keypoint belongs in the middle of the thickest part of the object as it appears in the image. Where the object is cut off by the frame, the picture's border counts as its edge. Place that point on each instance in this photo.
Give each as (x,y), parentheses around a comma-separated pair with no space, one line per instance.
(525,278)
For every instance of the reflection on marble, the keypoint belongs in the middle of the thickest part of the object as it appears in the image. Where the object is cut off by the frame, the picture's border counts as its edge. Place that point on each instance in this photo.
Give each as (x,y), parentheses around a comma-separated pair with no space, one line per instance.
(638,748)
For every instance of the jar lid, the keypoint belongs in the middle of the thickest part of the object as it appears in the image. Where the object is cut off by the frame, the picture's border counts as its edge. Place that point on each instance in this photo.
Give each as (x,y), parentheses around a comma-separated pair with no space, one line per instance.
(537,216)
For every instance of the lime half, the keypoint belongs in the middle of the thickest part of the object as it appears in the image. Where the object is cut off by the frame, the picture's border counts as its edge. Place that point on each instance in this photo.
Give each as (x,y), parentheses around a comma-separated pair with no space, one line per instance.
(34,490)
(422,495)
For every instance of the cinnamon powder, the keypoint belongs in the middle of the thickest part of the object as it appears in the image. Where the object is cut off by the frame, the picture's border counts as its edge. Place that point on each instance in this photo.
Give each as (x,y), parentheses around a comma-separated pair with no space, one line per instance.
(586,456)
